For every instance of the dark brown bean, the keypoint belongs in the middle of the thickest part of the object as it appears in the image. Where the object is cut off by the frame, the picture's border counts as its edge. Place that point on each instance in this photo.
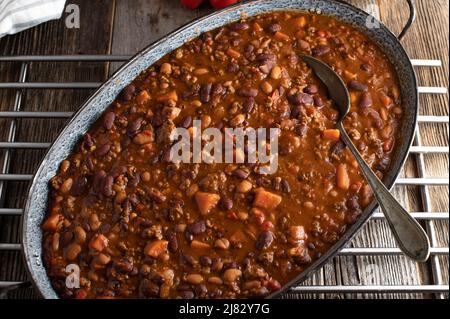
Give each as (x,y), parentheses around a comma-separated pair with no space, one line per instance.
(365,100)
(264,240)
(124,265)
(226,203)
(357,86)
(233,67)
(102,150)
(205,261)
(187,121)
(157,196)
(301,130)
(196,228)
(285,187)
(248,92)
(366,67)
(79,186)
(107,186)
(201,291)
(249,105)
(217,89)
(108,120)
(205,92)
(320,50)
(187,294)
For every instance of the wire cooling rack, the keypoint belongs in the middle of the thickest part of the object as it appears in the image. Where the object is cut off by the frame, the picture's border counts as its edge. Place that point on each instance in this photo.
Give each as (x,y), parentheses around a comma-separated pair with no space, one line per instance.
(437,287)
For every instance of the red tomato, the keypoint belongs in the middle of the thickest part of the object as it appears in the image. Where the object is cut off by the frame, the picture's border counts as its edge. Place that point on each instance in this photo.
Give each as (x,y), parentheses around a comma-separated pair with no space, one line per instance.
(222,3)
(191,4)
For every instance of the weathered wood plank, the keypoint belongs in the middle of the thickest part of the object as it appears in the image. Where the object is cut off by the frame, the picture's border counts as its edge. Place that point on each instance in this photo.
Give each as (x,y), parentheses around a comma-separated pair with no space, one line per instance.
(50,38)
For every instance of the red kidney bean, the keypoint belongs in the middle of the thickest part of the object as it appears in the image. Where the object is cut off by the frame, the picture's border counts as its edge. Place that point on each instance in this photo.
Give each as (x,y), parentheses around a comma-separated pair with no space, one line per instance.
(357,86)
(108,120)
(320,50)
(266,57)
(301,130)
(275,27)
(248,92)
(217,89)
(249,105)
(128,92)
(226,203)
(102,150)
(134,126)
(196,228)
(157,196)
(240,173)
(264,240)
(365,100)
(187,121)
(232,67)
(301,99)
(107,186)
(318,102)
(205,92)
(79,186)
(311,89)
(240,26)
(88,141)
(366,67)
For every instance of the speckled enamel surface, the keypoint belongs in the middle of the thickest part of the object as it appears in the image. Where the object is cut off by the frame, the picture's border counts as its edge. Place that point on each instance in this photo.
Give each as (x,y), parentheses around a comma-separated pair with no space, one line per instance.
(36,205)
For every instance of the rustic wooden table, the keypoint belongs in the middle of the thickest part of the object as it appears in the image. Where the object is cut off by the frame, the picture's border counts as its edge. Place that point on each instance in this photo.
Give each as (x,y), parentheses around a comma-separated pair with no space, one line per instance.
(124,27)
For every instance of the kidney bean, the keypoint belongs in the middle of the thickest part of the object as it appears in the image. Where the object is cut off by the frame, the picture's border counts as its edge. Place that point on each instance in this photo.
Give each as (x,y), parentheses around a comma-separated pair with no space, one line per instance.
(365,100)
(128,92)
(248,92)
(232,67)
(205,92)
(240,173)
(226,203)
(201,291)
(79,186)
(301,99)
(217,89)
(73,251)
(196,228)
(108,120)
(102,150)
(366,67)
(134,126)
(124,265)
(357,86)
(318,102)
(311,89)
(249,105)
(240,26)
(320,50)
(107,186)
(157,196)
(88,141)
(264,240)
(266,57)
(187,294)
(205,261)
(275,27)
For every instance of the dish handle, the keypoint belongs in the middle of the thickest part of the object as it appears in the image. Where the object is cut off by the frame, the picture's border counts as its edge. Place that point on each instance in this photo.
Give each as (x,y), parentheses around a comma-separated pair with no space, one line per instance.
(412,17)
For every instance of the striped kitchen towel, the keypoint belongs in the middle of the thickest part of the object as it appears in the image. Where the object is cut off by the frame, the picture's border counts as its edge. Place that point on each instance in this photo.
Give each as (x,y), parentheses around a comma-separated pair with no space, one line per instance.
(18,15)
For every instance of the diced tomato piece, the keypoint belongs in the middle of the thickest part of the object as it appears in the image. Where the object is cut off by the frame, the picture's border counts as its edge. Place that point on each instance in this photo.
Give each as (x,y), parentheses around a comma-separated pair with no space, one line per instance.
(206,201)
(52,222)
(98,242)
(267,200)
(332,134)
(156,248)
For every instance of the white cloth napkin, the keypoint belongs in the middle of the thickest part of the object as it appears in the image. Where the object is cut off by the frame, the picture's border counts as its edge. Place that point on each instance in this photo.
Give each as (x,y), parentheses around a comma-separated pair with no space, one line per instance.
(18,15)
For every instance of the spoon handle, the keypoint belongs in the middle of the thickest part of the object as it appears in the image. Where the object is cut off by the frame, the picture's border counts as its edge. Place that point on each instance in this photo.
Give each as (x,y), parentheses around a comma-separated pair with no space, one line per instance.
(410,236)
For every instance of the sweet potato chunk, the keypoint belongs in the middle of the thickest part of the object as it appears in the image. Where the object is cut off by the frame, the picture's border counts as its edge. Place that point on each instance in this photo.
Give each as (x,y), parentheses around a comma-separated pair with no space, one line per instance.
(156,248)
(51,223)
(342,179)
(296,234)
(206,201)
(332,134)
(98,242)
(266,200)
(172,95)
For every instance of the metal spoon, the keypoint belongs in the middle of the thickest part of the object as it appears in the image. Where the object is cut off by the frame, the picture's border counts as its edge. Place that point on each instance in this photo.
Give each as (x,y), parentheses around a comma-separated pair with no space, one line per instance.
(410,237)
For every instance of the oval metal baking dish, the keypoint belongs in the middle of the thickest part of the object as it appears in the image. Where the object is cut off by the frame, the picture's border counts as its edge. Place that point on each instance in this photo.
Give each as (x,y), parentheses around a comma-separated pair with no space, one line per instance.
(92,109)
